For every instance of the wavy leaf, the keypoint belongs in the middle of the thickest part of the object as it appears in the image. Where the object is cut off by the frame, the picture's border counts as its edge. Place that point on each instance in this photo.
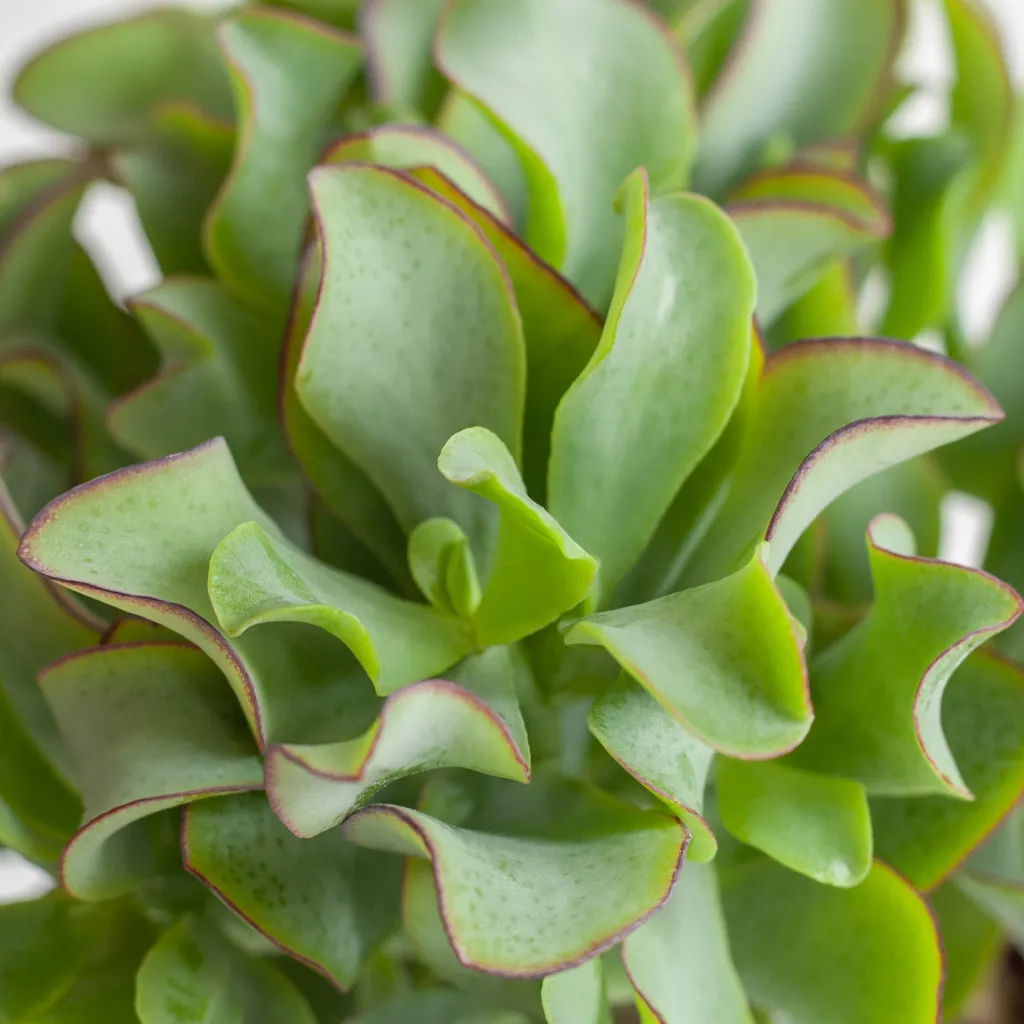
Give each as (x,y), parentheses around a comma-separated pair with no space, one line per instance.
(723,659)
(106,83)
(752,103)
(602,864)
(660,754)
(149,727)
(321,900)
(825,415)
(813,824)
(822,955)
(288,75)
(395,257)
(678,961)
(678,334)
(471,722)
(878,692)
(625,101)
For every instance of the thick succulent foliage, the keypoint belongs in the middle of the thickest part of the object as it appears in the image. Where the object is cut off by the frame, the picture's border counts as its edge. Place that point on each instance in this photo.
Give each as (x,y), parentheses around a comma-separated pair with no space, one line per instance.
(493,577)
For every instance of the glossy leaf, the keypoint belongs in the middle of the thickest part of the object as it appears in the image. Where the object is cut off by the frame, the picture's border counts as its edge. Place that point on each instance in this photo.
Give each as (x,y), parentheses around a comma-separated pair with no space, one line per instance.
(822,955)
(150,727)
(537,898)
(254,246)
(678,961)
(813,824)
(660,754)
(825,415)
(878,692)
(833,94)
(619,453)
(106,83)
(395,257)
(473,722)
(624,101)
(538,572)
(724,659)
(321,900)
(576,996)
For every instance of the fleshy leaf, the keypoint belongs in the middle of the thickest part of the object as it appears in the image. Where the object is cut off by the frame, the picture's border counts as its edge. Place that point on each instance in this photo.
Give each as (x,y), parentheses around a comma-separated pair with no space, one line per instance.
(925,838)
(822,955)
(218,379)
(576,996)
(150,727)
(441,563)
(660,754)
(724,659)
(677,335)
(289,75)
(412,294)
(825,415)
(473,722)
(878,692)
(813,824)
(537,896)
(258,577)
(321,900)
(174,174)
(560,330)
(624,101)
(795,222)
(679,962)
(141,540)
(538,571)
(399,37)
(833,94)
(192,976)
(404,146)
(105,84)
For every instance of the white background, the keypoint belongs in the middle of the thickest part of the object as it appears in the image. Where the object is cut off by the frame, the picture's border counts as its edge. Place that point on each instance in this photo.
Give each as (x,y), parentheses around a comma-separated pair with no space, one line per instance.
(107,225)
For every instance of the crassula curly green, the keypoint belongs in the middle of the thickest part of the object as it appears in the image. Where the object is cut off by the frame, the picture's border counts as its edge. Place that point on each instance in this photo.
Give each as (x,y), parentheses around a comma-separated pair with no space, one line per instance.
(493,577)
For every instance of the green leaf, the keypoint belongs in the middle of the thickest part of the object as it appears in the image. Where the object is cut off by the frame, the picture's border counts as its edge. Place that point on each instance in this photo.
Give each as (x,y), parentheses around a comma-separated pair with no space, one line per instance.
(321,900)
(560,330)
(218,378)
(411,293)
(473,722)
(835,93)
(925,838)
(678,961)
(104,84)
(878,692)
(999,901)
(678,332)
(660,754)
(576,996)
(404,147)
(538,571)
(724,659)
(828,309)
(288,75)
(822,955)
(149,727)
(399,37)
(346,489)
(825,415)
(602,864)
(441,563)
(624,101)
(174,174)
(932,178)
(795,222)
(192,976)
(141,540)
(257,577)
(813,824)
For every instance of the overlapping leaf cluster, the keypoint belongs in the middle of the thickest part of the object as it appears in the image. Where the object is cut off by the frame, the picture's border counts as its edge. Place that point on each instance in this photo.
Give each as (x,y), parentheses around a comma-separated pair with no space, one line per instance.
(502,565)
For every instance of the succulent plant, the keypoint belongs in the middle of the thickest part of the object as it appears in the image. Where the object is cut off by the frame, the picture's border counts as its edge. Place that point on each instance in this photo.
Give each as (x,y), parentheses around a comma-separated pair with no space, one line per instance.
(493,576)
